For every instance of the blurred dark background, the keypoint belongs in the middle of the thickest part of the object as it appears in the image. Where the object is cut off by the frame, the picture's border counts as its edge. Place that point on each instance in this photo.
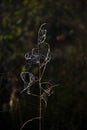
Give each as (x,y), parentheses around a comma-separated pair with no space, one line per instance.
(67,36)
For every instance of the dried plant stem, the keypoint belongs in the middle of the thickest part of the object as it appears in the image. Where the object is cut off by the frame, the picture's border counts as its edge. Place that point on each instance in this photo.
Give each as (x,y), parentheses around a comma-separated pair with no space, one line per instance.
(40,109)
(40,105)
(43,71)
(28,122)
(39,78)
(38,58)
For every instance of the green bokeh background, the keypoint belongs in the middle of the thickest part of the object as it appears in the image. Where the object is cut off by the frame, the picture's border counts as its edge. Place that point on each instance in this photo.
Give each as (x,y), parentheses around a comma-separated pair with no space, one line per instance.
(67,35)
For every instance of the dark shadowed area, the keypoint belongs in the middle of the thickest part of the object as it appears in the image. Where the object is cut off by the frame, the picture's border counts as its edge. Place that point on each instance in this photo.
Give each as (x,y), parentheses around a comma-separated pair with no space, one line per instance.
(67,35)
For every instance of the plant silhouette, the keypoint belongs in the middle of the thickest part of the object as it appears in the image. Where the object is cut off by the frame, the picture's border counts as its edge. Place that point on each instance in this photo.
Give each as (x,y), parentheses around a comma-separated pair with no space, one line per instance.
(39,56)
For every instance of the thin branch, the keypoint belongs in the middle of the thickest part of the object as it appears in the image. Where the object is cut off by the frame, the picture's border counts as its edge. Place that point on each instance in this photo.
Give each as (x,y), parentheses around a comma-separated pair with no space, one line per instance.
(28,122)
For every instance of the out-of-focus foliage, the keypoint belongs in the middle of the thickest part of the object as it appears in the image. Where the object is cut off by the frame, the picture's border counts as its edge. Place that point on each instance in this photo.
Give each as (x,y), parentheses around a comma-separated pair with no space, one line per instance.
(67,35)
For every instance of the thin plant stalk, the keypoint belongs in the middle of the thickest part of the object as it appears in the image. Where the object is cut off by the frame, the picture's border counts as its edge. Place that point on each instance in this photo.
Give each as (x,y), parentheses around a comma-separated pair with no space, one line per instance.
(39,79)
(44,93)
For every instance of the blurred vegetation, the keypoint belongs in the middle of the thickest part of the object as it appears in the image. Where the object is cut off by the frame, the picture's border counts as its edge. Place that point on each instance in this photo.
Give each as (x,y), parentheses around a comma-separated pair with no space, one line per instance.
(67,35)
